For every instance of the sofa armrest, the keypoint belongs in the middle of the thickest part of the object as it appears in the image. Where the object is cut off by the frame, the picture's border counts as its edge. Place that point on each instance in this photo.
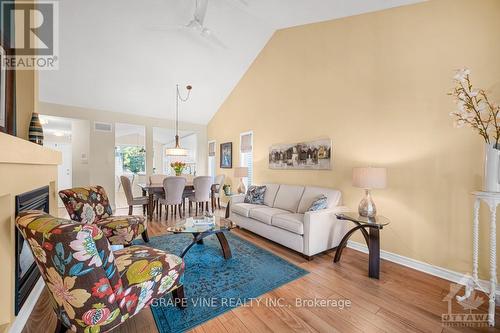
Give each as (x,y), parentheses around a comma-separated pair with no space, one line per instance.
(237,198)
(322,229)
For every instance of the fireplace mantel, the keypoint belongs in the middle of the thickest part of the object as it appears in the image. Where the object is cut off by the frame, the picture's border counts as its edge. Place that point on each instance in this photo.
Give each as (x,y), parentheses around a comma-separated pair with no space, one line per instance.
(24,166)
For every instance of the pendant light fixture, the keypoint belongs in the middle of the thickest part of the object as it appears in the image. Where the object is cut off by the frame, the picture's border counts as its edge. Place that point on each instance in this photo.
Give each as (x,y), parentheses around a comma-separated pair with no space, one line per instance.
(177,150)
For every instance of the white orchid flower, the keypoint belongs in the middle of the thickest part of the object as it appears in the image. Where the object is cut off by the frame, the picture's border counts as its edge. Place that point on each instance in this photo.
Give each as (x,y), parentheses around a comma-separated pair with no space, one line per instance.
(461,74)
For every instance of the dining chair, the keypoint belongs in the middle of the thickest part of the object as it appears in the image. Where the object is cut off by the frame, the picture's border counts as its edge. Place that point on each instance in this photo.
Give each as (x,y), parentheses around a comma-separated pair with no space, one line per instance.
(174,190)
(201,197)
(131,200)
(91,287)
(219,183)
(157,180)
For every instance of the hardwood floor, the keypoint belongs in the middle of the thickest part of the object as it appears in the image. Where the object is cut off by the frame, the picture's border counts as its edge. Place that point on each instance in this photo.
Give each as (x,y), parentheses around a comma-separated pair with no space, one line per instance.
(403,300)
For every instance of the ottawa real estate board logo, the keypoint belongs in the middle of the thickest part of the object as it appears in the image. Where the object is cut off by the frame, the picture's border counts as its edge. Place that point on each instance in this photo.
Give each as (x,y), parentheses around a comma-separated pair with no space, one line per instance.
(465,311)
(29,34)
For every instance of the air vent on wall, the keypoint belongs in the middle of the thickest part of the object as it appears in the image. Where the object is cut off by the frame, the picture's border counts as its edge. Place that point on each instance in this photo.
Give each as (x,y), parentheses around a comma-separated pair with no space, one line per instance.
(103,127)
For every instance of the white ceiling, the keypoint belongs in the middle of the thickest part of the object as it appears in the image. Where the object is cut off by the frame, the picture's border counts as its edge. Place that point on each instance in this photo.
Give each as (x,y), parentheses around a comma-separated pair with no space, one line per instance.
(113,55)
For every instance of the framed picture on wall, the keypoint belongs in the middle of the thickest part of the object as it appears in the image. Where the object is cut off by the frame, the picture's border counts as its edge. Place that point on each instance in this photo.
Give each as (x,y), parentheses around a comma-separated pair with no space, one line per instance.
(7,119)
(226,155)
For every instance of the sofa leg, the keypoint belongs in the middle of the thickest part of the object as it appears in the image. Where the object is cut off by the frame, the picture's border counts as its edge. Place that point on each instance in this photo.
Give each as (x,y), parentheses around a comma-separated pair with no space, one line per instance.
(179,297)
(308,258)
(145,236)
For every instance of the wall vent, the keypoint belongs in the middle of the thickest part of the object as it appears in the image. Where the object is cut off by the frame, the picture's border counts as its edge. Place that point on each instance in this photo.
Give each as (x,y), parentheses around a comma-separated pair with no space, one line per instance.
(103,127)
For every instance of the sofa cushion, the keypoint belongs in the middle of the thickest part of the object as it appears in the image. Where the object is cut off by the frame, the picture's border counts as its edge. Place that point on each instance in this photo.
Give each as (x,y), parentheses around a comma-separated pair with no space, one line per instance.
(265,214)
(270,194)
(243,209)
(288,197)
(255,195)
(312,193)
(321,202)
(291,222)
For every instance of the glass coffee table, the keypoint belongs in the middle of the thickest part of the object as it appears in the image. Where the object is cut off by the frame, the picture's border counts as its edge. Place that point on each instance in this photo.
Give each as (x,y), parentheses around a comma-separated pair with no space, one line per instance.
(198,227)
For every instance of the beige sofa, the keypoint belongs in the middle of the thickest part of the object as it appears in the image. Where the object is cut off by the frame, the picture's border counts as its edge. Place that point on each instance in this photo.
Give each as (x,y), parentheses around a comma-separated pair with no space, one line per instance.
(284,219)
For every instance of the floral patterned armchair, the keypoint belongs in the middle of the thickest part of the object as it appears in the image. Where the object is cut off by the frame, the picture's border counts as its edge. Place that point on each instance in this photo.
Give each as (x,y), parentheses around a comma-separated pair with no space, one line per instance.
(92,288)
(91,205)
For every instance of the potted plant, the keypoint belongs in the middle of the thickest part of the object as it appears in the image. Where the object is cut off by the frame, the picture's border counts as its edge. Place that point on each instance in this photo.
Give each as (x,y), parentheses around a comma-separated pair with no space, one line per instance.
(178,167)
(475,110)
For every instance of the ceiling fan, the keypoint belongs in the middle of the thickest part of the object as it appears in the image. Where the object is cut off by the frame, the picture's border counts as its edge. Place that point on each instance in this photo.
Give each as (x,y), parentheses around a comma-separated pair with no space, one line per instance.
(197,24)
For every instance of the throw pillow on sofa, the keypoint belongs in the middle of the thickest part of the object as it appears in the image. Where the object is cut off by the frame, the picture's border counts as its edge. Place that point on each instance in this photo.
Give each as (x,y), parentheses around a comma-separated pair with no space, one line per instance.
(321,202)
(255,195)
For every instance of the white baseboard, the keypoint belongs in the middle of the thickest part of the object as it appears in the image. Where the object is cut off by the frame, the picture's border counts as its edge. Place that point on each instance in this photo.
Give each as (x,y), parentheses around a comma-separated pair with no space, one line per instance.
(28,306)
(441,272)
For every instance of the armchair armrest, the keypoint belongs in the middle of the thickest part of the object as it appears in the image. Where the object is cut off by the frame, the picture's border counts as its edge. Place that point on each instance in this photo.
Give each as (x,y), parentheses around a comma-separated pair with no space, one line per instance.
(237,198)
(322,229)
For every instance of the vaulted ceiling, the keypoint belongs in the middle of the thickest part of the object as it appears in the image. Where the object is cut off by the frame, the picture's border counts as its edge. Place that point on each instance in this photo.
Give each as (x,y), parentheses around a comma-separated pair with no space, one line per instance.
(127,55)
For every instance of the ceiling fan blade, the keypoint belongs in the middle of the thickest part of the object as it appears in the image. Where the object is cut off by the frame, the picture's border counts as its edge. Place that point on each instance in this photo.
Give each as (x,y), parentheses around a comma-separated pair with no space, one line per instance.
(201,11)
(166,27)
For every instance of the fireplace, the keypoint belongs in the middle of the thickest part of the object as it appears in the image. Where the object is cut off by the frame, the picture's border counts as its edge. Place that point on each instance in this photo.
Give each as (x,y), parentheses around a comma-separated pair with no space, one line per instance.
(27,273)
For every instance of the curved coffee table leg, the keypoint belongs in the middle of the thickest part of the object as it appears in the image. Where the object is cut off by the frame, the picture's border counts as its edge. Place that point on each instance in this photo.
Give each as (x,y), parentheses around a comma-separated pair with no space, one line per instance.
(198,239)
(226,250)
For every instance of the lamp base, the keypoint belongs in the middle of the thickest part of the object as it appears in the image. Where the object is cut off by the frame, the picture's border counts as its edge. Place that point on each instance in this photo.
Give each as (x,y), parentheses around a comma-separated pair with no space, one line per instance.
(241,187)
(367,207)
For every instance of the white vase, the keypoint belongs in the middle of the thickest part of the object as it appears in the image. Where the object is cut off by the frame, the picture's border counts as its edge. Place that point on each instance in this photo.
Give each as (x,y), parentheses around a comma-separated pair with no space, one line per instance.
(491,169)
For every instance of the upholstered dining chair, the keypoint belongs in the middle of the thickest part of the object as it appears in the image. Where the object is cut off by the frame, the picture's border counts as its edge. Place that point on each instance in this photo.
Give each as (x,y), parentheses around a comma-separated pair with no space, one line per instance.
(131,200)
(91,205)
(219,183)
(92,288)
(157,180)
(202,188)
(174,190)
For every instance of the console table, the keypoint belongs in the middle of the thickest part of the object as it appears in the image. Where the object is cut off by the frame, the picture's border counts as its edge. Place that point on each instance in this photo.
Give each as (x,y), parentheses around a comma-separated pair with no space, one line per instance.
(372,238)
(492,199)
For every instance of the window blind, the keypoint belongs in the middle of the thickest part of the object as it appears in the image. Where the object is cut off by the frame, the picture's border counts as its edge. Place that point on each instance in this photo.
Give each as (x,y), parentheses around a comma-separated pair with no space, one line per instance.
(246,143)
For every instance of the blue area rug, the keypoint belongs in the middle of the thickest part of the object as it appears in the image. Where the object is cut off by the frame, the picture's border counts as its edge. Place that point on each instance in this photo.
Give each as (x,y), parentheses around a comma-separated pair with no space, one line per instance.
(214,285)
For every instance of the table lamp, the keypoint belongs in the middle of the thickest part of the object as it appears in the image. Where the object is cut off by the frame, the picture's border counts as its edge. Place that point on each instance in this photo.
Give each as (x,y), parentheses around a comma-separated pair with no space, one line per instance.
(369,178)
(241,172)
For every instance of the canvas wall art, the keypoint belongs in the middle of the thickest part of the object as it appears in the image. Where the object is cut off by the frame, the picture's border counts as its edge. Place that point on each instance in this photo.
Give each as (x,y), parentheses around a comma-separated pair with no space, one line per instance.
(226,155)
(312,155)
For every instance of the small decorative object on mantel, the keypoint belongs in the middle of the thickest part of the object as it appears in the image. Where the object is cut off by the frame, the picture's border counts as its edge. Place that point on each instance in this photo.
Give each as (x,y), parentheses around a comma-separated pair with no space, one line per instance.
(226,155)
(241,172)
(475,110)
(36,130)
(178,167)
(311,155)
(368,179)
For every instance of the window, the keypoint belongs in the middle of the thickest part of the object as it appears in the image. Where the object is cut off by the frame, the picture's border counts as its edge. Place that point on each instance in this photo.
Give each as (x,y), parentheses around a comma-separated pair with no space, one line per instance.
(211,158)
(131,159)
(246,155)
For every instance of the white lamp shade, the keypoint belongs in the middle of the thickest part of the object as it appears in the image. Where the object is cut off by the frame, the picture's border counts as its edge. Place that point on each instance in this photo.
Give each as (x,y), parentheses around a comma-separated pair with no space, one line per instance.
(369,178)
(177,151)
(240,172)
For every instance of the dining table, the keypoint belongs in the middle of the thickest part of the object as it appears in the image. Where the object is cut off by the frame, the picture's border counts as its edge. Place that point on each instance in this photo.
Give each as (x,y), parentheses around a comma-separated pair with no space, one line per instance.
(150,190)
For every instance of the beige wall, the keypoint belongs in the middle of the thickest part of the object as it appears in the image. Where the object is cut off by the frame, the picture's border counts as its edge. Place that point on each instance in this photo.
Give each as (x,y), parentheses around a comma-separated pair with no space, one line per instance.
(376,85)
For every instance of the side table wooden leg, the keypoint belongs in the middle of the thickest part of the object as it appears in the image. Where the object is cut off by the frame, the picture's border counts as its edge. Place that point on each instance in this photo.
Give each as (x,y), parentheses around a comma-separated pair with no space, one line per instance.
(493,265)
(374,253)
(227,209)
